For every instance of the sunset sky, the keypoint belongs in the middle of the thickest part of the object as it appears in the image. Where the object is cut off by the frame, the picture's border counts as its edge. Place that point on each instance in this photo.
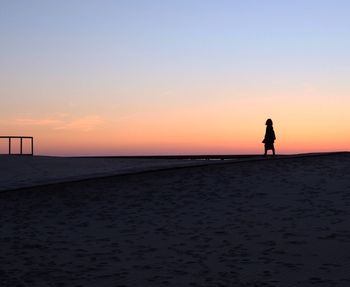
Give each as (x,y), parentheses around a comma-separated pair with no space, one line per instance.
(130,77)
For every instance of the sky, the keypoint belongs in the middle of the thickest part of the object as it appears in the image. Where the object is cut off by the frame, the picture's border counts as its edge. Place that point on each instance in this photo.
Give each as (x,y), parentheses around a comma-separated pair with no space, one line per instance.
(132,77)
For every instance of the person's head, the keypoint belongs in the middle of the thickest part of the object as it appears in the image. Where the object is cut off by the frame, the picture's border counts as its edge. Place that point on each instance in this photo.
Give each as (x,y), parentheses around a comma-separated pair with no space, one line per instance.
(268,122)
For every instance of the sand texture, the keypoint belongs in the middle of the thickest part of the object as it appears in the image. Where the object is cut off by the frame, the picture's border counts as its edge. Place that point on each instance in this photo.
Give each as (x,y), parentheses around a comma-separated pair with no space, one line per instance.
(28,171)
(283,222)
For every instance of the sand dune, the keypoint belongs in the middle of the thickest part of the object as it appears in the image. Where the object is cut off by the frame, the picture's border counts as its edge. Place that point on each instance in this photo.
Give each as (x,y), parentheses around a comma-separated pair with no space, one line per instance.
(255,223)
(27,171)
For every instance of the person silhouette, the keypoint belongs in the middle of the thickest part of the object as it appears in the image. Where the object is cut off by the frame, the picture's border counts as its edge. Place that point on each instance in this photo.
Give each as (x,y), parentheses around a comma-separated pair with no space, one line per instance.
(269,137)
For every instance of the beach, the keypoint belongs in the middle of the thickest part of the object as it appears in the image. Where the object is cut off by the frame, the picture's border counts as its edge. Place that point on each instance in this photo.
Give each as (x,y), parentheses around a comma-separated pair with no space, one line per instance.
(271,222)
(28,171)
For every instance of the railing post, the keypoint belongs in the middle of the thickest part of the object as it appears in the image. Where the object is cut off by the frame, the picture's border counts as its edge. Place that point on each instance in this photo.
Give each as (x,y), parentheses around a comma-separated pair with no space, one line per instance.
(32,146)
(21,146)
(9,145)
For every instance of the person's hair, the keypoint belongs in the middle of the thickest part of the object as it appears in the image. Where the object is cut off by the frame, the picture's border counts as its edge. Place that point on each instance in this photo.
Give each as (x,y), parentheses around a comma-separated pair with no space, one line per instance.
(269,122)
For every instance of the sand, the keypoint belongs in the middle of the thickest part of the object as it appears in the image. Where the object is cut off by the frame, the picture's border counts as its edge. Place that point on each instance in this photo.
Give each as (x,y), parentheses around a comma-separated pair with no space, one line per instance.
(282,222)
(27,171)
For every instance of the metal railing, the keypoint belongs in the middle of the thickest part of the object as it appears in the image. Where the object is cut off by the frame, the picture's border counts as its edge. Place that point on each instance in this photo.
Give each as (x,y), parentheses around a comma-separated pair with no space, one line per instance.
(21,144)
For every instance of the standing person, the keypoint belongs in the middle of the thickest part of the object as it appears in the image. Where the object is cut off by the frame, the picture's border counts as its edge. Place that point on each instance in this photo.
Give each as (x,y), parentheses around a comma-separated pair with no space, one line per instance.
(269,137)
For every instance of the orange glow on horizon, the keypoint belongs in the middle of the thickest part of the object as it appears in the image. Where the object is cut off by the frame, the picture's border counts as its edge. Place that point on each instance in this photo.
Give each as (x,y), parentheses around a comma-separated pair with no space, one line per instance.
(221,127)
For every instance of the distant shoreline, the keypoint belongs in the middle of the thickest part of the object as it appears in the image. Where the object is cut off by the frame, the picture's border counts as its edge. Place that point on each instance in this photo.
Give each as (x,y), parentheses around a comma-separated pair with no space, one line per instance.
(187,156)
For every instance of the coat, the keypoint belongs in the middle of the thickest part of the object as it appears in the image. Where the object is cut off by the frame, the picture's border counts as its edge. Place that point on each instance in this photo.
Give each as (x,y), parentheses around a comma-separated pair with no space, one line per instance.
(269,137)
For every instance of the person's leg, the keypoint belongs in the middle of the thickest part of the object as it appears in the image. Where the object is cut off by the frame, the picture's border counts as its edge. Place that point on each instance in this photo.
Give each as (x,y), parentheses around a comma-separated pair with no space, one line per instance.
(265,154)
